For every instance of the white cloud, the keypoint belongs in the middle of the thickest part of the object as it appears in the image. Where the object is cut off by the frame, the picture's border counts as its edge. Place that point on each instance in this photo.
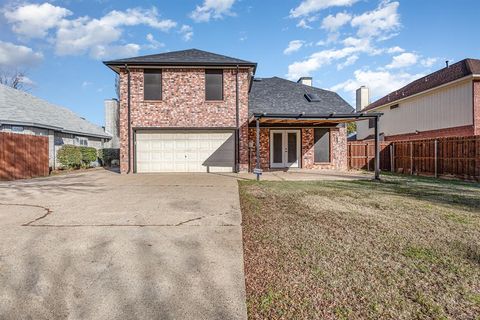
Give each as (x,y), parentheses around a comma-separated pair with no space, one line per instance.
(380,82)
(428,62)
(381,22)
(353,46)
(303,23)
(293,46)
(96,36)
(215,9)
(13,56)
(115,51)
(316,61)
(307,7)
(348,62)
(153,43)
(333,23)
(34,20)
(403,60)
(395,49)
(187,32)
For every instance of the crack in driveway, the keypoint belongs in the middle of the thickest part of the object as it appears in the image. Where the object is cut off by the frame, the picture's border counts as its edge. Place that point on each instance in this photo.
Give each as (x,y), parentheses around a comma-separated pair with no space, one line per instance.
(48,211)
(182,223)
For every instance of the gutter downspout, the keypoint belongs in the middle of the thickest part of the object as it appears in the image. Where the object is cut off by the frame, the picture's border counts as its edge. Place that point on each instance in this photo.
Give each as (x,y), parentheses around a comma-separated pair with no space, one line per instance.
(128,117)
(237,124)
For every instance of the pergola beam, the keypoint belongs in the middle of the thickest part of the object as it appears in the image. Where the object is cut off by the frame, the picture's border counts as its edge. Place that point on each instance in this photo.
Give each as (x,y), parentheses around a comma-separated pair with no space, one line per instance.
(346,117)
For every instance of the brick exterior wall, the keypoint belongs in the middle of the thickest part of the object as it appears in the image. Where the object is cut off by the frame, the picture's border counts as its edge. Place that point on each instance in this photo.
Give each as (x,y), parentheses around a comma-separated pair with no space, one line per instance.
(338,149)
(440,133)
(183,105)
(476,107)
(264,148)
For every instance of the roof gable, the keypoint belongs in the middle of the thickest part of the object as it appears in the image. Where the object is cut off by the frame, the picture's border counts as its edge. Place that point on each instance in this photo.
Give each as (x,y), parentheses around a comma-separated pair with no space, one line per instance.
(277,95)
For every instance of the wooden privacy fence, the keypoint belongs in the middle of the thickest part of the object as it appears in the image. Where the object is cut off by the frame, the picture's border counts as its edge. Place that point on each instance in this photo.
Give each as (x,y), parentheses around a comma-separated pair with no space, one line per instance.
(455,156)
(361,155)
(23,156)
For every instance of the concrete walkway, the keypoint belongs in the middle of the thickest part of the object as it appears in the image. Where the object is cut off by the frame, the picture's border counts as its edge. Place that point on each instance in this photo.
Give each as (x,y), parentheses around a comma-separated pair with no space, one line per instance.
(99,245)
(308,175)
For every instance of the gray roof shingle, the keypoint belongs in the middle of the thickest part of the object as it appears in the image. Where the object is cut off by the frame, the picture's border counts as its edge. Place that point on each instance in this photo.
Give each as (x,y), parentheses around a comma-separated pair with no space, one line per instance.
(277,95)
(19,107)
(190,57)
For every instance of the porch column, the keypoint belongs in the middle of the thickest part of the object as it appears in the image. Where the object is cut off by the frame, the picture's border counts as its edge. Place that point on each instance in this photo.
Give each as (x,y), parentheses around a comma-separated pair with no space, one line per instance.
(377,150)
(257,131)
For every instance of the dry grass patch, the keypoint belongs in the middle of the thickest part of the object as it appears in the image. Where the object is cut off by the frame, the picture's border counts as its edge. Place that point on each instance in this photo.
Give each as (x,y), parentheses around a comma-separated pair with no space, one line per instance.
(404,248)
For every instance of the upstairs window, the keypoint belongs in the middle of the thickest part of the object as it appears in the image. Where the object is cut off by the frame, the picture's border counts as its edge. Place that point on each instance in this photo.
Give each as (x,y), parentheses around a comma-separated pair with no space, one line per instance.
(371,123)
(152,84)
(321,149)
(213,84)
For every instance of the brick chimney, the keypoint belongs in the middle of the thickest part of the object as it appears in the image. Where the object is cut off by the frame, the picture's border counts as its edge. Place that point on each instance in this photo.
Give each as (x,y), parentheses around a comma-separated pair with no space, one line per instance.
(363,98)
(112,127)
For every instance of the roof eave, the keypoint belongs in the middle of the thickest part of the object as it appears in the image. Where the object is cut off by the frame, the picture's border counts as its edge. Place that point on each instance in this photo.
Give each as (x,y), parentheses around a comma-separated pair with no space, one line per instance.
(54,128)
(467,77)
(112,64)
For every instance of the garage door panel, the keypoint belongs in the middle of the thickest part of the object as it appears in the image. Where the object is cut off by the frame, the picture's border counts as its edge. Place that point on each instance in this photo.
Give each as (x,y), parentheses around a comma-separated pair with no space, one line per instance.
(185,151)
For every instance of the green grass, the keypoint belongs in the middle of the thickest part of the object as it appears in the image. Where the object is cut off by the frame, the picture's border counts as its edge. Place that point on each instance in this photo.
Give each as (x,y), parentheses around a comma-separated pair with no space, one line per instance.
(402,248)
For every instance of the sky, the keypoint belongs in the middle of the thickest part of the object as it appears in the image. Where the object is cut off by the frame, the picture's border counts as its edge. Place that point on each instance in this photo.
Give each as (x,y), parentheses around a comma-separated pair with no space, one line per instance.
(342,44)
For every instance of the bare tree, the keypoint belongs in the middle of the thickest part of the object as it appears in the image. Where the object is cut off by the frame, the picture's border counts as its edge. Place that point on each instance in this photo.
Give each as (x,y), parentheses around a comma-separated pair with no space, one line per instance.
(16,79)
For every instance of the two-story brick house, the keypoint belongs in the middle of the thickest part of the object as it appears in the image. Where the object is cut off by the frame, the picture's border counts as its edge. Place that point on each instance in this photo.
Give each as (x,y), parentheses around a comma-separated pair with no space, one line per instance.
(195,111)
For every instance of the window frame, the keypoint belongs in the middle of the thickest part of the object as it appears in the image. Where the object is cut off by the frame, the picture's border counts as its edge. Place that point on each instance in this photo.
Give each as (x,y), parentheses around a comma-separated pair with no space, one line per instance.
(371,123)
(153,71)
(81,140)
(329,131)
(219,71)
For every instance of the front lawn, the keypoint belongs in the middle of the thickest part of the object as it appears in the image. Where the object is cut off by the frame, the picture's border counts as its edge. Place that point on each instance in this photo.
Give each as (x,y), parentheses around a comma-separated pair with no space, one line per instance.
(403,248)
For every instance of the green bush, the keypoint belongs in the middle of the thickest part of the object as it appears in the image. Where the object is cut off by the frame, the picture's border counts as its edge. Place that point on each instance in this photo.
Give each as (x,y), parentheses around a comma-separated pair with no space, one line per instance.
(89,155)
(69,156)
(107,155)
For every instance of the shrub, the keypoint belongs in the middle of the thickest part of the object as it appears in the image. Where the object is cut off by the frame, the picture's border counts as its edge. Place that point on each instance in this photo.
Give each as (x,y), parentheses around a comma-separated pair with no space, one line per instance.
(107,155)
(69,156)
(89,155)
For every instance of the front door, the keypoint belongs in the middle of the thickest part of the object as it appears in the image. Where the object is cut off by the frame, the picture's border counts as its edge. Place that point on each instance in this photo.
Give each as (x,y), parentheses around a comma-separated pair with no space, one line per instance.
(285,148)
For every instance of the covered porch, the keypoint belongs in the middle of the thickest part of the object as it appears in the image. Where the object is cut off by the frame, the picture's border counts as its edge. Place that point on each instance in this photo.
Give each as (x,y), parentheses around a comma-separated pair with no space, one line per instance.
(288,142)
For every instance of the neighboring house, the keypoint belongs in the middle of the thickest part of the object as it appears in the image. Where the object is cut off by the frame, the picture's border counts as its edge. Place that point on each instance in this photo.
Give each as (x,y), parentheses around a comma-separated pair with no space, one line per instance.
(23,113)
(195,111)
(442,104)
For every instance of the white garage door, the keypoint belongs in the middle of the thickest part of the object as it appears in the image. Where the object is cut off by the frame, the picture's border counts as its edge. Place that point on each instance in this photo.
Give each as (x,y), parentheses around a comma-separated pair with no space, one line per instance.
(185,151)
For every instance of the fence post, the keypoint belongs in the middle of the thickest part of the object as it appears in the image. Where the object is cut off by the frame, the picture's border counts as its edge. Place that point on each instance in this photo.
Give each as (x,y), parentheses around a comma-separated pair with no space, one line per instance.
(436,157)
(366,155)
(392,158)
(349,156)
(411,158)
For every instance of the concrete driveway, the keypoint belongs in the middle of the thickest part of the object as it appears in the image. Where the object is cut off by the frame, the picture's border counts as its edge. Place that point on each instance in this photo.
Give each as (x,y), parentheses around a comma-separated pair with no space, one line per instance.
(99,245)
